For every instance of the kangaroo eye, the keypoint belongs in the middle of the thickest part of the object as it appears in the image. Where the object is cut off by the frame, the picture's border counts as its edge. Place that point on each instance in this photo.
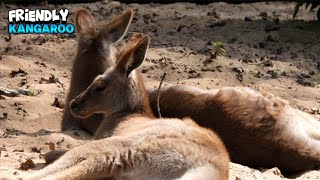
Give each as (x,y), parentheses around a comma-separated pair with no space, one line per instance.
(99,88)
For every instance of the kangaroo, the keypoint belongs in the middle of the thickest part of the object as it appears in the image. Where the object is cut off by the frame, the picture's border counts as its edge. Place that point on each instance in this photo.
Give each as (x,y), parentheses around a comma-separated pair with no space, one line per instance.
(133,143)
(259,130)
(94,55)
(251,139)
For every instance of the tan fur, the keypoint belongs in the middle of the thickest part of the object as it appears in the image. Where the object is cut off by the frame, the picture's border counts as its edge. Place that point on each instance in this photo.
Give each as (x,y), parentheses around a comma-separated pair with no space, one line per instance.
(259,130)
(136,145)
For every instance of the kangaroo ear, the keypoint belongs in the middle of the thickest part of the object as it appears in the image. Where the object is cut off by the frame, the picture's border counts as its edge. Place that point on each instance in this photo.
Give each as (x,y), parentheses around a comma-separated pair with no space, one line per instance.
(85,23)
(131,58)
(117,27)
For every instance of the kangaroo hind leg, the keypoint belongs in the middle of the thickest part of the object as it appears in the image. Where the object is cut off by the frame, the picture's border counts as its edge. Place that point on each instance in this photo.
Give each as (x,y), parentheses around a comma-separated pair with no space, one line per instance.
(99,159)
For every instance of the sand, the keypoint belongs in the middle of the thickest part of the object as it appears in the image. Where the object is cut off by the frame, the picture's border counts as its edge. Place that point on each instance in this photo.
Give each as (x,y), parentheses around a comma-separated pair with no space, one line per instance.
(265,50)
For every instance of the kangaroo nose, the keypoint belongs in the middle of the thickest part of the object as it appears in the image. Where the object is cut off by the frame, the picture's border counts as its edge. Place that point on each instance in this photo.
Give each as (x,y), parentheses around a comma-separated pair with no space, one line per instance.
(74,104)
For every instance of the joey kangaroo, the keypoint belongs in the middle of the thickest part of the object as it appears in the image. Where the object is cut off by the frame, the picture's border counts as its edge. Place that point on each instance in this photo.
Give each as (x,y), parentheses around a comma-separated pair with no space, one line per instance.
(258,130)
(136,145)
(95,53)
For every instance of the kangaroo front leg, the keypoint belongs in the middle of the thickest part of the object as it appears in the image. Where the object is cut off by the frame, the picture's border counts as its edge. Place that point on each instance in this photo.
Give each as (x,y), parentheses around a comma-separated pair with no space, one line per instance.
(310,124)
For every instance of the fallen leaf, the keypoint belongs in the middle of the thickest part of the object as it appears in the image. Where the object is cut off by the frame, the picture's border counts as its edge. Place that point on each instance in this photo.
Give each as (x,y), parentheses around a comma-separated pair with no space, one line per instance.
(58,103)
(20,72)
(35,149)
(51,146)
(29,164)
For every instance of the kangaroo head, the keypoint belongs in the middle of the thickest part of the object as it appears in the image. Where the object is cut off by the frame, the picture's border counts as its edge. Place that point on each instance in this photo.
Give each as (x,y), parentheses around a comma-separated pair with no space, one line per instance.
(98,44)
(119,89)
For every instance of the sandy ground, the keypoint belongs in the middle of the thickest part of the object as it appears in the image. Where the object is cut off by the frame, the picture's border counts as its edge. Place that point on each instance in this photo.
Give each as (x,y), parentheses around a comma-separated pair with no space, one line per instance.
(265,50)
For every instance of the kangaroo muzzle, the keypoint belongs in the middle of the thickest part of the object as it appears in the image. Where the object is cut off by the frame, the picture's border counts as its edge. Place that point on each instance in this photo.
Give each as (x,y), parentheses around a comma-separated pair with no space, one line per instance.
(78,108)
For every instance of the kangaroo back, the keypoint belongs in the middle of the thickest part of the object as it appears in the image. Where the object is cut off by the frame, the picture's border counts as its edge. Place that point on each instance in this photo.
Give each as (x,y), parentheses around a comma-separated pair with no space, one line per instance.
(259,130)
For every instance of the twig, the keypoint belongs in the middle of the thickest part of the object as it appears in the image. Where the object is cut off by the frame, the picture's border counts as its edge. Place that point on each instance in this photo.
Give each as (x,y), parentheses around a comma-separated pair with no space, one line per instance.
(158,95)
(167,44)
(255,8)
(255,63)
(56,80)
(310,46)
(8,92)
(8,38)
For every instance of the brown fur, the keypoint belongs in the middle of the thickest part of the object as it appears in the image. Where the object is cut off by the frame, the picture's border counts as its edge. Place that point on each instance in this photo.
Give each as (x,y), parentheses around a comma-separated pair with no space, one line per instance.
(95,54)
(135,144)
(258,130)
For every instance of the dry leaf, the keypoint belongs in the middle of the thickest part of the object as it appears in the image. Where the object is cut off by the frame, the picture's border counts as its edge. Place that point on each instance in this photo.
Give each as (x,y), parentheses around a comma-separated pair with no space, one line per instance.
(29,164)
(51,146)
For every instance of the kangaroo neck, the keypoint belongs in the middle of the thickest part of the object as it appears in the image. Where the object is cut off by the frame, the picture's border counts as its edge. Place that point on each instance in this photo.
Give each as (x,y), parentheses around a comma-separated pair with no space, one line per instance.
(137,106)
(113,122)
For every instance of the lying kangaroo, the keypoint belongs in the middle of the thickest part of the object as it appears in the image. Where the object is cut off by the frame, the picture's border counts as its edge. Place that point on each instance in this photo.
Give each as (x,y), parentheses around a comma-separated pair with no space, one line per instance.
(136,145)
(258,130)
(249,146)
(95,53)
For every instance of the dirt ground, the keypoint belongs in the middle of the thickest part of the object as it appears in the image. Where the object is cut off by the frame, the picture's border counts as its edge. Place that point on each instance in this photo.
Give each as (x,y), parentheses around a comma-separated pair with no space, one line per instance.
(265,50)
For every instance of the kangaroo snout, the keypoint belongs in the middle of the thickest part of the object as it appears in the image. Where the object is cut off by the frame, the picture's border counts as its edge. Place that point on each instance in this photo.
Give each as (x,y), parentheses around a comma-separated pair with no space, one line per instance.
(77,108)
(74,105)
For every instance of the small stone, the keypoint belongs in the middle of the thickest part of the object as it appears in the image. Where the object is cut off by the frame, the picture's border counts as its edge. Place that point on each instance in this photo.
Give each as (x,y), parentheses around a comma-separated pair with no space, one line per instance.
(219,23)
(314,110)
(263,14)
(262,45)
(18,150)
(247,19)
(2,133)
(275,171)
(35,150)
(147,16)
(274,74)
(214,14)
(270,28)
(306,82)
(145,70)
(26,92)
